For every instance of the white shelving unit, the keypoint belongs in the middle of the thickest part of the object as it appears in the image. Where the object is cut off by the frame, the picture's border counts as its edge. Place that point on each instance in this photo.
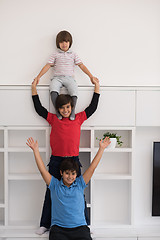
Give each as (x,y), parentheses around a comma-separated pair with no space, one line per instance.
(112,182)
(119,194)
(2,176)
(112,178)
(20,178)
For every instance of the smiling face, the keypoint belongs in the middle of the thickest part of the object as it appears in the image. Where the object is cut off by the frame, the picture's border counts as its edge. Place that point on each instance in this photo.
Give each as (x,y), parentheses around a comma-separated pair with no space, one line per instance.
(64,46)
(68,177)
(65,110)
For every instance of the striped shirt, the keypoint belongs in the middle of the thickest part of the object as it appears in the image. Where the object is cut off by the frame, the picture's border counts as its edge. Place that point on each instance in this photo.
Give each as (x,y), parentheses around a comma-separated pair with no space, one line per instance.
(64,62)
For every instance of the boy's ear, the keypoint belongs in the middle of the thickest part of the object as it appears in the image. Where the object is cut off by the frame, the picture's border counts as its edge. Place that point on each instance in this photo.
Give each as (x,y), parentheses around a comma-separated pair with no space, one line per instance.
(61,173)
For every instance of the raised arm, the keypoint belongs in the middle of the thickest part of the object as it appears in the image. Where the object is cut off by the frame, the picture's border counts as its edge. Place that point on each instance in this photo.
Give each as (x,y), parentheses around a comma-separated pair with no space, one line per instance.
(42,72)
(89,172)
(36,101)
(34,146)
(86,71)
(94,102)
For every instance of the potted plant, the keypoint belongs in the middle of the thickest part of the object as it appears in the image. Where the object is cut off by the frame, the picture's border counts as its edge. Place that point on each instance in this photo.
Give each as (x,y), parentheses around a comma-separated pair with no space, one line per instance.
(113,138)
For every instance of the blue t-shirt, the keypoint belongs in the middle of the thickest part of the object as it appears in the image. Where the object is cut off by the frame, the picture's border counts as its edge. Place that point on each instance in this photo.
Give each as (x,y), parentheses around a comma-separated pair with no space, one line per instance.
(67,203)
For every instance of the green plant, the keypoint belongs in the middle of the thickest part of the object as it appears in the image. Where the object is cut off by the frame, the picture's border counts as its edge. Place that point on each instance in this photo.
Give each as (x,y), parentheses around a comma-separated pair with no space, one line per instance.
(112,135)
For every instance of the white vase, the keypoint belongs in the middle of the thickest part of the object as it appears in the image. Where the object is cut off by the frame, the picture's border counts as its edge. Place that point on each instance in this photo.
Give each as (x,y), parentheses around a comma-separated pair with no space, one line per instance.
(113,143)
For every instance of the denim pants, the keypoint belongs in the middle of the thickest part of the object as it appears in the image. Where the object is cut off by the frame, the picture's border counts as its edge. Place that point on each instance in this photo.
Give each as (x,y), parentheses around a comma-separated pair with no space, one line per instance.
(54,170)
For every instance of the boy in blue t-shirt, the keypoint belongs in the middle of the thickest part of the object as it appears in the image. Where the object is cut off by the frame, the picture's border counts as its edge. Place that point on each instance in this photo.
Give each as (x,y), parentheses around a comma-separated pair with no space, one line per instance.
(67,195)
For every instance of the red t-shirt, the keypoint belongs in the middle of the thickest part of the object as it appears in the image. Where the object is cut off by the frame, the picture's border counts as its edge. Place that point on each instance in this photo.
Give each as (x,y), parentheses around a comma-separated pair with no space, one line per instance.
(65,134)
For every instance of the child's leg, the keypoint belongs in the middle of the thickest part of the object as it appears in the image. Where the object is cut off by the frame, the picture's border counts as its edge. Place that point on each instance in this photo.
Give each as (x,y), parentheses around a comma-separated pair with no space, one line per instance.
(72,87)
(60,233)
(42,230)
(81,233)
(55,86)
(54,96)
(46,212)
(72,116)
(57,233)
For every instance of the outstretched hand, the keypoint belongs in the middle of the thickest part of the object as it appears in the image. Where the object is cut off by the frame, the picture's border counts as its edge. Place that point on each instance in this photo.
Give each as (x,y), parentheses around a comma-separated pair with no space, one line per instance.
(32,144)
(34,89)
(94,80)
(35,82)
(104,143)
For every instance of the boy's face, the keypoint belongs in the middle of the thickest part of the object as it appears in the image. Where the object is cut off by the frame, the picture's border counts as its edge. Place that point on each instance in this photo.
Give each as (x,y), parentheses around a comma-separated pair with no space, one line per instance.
(64,46)
(68,177)
(65,110)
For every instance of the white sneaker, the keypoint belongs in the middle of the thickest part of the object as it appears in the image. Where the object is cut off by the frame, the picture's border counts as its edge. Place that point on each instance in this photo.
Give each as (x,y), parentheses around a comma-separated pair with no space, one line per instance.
(41,230)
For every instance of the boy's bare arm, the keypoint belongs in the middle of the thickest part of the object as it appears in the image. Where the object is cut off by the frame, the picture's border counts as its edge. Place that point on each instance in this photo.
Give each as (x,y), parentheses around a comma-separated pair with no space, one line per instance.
(89,172)
(34,89)
(96,86)
(34,146)
(42,72)
(86,71)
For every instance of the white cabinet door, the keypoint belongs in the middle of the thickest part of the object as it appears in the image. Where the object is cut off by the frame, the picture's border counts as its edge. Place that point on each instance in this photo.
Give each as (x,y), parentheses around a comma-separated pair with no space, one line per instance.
(116,108)
(148,108)
(115,238)
(149,238)
(16,107)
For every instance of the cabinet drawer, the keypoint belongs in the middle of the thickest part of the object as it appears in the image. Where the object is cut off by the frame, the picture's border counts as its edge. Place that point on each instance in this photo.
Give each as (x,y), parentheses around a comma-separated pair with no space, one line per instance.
(149,238)
(116,108)
(28,238)
(115,238)
(17,107)
(148,109)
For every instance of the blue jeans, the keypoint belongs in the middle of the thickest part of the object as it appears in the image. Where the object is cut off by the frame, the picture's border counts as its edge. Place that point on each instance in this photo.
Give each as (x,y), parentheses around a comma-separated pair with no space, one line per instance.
(54,170)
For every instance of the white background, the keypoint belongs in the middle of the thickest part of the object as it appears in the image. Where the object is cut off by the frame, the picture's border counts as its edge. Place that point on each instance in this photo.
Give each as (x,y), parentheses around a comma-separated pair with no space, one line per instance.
(118,40)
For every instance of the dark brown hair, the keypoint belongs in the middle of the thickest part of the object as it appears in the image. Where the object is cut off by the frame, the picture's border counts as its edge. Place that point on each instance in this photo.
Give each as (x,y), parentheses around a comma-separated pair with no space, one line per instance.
(63,99)
(63,36)
(69,164)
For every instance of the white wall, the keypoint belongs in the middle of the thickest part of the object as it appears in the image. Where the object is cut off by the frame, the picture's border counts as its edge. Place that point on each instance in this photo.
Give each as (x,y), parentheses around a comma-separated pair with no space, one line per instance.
(117,39)
(145,136)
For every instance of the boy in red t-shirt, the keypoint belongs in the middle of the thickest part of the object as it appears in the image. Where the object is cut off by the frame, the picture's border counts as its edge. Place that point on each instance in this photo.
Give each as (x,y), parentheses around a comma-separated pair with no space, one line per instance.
(64,133)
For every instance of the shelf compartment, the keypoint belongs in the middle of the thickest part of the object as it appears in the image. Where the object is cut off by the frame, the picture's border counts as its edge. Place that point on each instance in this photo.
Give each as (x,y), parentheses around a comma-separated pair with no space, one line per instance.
(126,137)
(30,236)
(1,178)
(84,149)
(18,137)
(115,163)
(112,176)
(24,205)
(112,201)
(24,149)
(1,216)
(84,158)
(22,234)
(85,139)
(25,176)
(1,138)
(23,162)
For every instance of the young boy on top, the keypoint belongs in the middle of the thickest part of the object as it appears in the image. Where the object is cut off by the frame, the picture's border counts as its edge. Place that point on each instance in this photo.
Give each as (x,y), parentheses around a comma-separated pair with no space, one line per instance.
(63,62)
(68,220)
(64,139)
